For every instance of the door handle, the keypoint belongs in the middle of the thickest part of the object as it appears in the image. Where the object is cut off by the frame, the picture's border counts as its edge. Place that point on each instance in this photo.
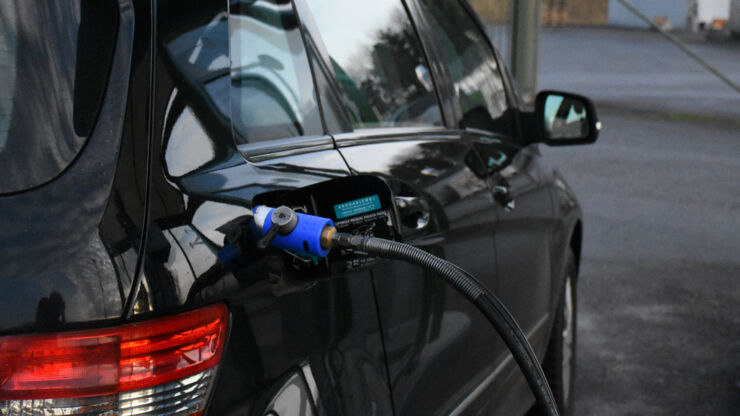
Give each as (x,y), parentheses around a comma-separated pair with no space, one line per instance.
(414,211)
(502,194)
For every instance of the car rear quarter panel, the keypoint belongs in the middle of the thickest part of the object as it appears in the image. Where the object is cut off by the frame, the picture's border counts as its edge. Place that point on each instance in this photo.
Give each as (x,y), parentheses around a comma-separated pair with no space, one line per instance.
(61,265)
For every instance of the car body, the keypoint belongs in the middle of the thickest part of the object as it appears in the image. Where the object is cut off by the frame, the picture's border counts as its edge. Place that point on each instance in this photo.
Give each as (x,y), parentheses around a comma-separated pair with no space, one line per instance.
(164,131)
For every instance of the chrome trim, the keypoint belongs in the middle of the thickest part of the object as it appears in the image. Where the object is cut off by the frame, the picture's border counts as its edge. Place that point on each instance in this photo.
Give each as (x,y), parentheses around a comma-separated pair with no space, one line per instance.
(380,135)
(269,149)
(313,388)
(473,130)
(470,398)
(568,338)
(178,398)
(482,386)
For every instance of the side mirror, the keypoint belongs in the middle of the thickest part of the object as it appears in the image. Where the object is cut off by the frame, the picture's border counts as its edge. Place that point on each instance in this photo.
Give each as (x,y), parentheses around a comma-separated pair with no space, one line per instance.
(565,119)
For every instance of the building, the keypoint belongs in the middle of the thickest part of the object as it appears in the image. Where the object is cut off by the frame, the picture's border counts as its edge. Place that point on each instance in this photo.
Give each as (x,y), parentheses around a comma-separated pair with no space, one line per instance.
(575,12)
(735,18)
(697,15)
(553,12)
(669,14)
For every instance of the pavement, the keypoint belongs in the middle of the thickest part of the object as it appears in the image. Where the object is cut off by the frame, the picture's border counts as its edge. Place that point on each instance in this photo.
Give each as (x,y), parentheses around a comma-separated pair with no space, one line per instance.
(659,289)
(641,70)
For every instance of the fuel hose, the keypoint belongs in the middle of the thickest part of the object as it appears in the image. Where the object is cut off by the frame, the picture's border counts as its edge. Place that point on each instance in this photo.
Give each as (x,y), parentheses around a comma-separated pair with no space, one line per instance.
(486,302)
(283,228)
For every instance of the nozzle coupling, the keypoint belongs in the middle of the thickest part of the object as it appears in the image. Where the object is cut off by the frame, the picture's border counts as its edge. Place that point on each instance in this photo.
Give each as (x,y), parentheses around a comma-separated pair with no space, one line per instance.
(327,237)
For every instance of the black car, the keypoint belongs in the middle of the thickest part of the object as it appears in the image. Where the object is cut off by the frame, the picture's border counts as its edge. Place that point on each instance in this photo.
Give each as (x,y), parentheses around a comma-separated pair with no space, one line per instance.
(136,138)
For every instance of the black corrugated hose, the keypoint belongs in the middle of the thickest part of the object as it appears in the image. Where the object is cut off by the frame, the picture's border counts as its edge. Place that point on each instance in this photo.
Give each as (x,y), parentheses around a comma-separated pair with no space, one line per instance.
(476,292)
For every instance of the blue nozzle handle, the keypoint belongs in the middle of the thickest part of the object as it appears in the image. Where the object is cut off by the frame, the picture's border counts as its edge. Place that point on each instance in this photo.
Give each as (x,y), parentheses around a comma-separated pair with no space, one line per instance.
(305,238)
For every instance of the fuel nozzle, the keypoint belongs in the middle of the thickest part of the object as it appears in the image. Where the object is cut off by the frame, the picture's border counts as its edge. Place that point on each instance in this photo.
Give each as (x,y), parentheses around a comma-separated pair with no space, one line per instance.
(285,228)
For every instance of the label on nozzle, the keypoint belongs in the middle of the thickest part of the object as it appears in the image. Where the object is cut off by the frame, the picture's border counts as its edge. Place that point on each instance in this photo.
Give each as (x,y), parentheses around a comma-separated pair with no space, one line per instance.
(357,207)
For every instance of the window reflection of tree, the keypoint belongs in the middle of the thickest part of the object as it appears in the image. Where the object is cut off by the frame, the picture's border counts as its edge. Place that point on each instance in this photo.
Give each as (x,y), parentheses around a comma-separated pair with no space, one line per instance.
(383,76)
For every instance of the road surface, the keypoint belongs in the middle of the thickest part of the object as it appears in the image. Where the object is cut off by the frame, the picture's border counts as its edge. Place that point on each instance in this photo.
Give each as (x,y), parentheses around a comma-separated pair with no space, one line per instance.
(659,292)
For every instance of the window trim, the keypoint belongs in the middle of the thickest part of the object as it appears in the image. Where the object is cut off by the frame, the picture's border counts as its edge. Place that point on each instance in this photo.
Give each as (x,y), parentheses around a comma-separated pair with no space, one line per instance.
(287,146)
(394,134)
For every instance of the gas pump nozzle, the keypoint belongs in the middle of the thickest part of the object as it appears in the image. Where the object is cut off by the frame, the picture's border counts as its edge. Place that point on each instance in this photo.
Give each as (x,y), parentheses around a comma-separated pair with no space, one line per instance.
(282,227)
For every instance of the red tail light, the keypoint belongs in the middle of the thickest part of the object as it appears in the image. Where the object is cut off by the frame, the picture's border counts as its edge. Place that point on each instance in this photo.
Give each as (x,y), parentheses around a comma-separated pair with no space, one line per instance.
(112,361)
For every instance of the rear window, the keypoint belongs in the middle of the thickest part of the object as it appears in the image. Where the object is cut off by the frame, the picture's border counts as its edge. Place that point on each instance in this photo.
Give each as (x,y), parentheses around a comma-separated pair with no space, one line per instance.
(272,92)
(378,61)
(54,61)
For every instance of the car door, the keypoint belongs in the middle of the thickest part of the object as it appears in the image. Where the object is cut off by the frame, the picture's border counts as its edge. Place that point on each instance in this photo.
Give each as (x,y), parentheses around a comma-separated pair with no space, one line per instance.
(523,238)
(238,124)
(439,348)
(486,109)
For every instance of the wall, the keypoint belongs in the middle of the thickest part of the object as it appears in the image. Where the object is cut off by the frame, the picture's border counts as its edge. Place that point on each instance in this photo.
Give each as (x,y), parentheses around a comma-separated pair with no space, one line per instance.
(735,18)
(493,11)
(708,10)
(554,12)
(677,11)
(575,12)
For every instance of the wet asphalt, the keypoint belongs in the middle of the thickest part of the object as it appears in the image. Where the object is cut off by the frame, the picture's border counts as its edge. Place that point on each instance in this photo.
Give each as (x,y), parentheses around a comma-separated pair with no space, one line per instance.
(659,288)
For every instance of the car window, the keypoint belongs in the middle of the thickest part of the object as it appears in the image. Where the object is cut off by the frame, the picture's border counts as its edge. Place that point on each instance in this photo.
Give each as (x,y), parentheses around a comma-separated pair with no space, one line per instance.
(472,66)
(54,62)
(272,91)
(378,61)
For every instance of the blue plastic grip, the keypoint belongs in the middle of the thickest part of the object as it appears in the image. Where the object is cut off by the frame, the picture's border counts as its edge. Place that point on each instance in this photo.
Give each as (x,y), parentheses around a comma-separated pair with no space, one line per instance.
(306,238)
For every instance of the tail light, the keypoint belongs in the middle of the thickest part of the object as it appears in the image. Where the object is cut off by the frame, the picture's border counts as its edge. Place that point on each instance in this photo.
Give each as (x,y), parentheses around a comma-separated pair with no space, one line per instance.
(159,367)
